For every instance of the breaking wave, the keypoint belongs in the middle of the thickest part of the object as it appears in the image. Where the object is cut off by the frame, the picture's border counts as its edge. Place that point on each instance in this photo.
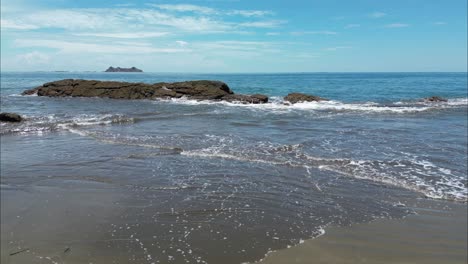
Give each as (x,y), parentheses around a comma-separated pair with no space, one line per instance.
(278,104)
(409,172)
(57,123)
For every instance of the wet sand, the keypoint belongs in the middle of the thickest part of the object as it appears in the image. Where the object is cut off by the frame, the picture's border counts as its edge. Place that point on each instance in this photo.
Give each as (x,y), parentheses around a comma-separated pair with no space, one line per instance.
(57,225)
(437,233)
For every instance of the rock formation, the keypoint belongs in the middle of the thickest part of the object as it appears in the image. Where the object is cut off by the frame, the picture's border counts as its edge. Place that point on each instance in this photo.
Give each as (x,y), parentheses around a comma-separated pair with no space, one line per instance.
(199,90)
(118,69)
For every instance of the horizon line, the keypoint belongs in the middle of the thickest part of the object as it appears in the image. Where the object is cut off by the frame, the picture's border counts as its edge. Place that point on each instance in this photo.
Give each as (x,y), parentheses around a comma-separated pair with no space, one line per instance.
(188,72)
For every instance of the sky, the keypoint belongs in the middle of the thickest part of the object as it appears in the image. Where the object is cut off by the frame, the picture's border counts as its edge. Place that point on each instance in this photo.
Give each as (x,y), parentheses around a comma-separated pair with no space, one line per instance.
(218,36)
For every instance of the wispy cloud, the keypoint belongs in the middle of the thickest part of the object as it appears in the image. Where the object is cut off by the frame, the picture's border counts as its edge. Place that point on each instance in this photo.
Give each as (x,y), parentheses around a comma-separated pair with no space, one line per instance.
(273,34)
(377,14)
(353,26)
(114,19)
(397,25)
(124,5)
(116,22)
(9,24)
(210,11)
(304,55)
(234,45)
(338,48)
(90,47)
(440,23)
(33,58)
(182,43)
(185,8)
(263,24)
(129,35)
(323,32)
(250,13)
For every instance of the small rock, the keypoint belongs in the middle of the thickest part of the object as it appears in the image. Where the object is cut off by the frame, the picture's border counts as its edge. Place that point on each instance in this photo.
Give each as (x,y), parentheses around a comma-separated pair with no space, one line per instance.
(10,117)
(300,97)
(435,99)
(247,99)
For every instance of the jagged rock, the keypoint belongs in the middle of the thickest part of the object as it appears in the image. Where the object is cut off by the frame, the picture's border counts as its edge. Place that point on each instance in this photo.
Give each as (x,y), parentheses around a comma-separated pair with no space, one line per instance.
(10,117)
(300,97)
(200,90)
(118,69)
(205,90)
(435,99)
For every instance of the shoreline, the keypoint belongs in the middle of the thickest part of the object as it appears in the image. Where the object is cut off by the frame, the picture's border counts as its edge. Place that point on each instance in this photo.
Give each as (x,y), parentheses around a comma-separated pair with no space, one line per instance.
(436,233)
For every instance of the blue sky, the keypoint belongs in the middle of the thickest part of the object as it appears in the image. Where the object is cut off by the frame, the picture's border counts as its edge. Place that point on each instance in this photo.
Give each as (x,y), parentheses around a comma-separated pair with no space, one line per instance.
(235,35)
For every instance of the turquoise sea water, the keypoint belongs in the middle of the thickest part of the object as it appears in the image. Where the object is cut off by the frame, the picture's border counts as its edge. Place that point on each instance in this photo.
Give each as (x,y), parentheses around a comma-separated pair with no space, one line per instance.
(244,179)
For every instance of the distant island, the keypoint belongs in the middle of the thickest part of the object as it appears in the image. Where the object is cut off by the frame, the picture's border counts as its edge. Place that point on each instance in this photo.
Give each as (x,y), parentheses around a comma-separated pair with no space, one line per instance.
(118,69)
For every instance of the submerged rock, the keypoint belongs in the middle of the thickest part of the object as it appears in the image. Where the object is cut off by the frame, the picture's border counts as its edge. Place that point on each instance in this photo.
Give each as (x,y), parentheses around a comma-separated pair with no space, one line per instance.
(252,99)
(300,97)
(200,90)
(435,99)
(10,117)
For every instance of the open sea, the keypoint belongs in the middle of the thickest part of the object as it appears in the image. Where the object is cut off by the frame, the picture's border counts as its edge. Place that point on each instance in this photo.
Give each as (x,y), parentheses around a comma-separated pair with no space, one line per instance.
(184,181)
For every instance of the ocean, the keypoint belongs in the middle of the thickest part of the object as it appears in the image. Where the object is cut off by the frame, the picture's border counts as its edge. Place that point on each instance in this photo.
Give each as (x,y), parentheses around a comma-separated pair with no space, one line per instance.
(184,181)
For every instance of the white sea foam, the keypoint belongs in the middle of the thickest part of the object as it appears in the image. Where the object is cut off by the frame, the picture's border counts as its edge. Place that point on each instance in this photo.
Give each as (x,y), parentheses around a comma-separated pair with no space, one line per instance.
(277,104)
(53,122)
(413,174)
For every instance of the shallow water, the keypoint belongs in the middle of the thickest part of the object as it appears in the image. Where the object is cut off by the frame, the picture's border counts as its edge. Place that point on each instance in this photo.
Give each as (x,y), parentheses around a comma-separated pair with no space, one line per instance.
(225,183)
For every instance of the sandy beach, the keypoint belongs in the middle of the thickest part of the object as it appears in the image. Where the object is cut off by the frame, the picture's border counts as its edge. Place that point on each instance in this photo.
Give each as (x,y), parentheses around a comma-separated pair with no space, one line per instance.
(436,233)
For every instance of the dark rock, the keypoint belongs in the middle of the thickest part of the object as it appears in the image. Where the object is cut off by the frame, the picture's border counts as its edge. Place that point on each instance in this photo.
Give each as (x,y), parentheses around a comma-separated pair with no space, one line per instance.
(202,90)
(118,69)
(262,98)
(247,99)
(10,117)
(300,97)
(30,92)
(435,99)
(205,90)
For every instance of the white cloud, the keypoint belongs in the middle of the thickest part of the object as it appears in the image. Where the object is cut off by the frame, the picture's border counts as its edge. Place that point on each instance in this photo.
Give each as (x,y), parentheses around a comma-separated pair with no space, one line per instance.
(256,47)
(127,35)
(8,24)
(263,24)
(33,58)
(115,19)
(124,5)
(273,34)
(304,55)
(210,11)
(338,48)
(323,32)
(88,47)
(181,43)
(73,19)
(250,13)
(186,8)
(440,23)
(132,43)
(121,22)
(353,26)
(377,14)
(397,25)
